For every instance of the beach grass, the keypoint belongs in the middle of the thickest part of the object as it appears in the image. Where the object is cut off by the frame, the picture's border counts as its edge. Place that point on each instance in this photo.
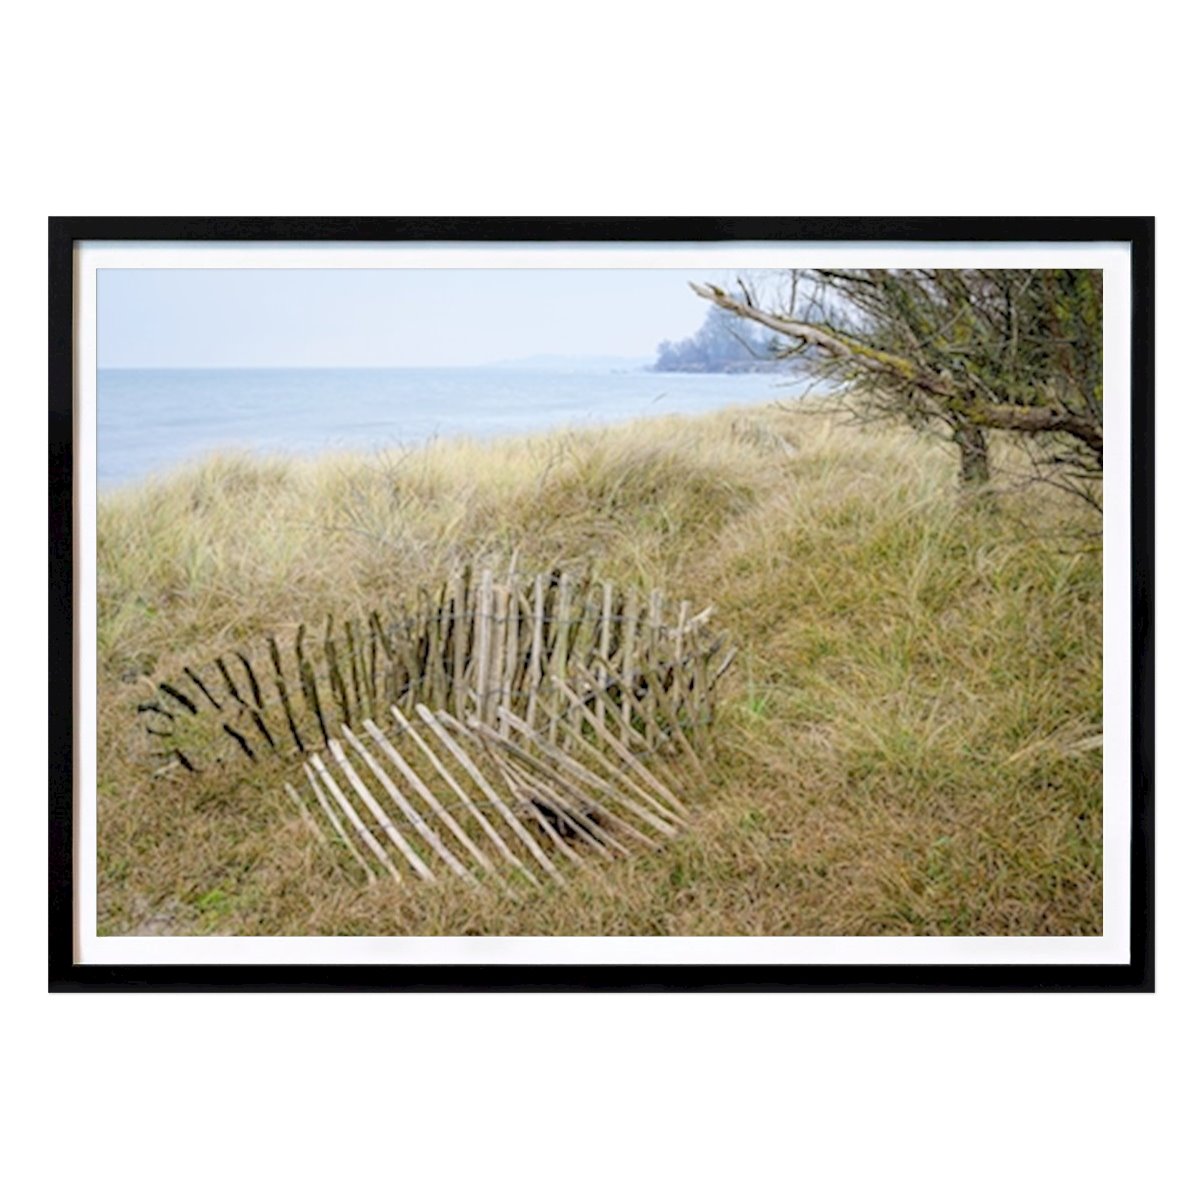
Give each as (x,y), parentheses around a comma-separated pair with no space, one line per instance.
(908,743)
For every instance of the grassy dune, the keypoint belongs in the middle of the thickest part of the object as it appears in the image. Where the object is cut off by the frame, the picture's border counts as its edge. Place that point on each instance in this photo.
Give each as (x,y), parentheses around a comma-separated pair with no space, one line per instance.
(907,745)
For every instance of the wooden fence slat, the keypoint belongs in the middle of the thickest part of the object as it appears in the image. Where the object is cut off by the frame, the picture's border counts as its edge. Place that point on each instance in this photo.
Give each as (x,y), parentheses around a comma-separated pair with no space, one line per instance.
(629,620)
(355,675)
(582,773)
(510,782)
(526,755)
(562,631)
(305,815)
(338,828)
(605,636)
(665,820)
(677,672)
(534,676)
(352,815)
(336,681)
(195,678)
(579,823)
(499,638)
(700,679)
(483,642)
(481,782)
(672,717)
(510,654)
(418,785)
(435,662)
(503,848)
(376,810)
(551,782)
(653,628)
(413,817)
(600,839)
(460,644)
(636,765)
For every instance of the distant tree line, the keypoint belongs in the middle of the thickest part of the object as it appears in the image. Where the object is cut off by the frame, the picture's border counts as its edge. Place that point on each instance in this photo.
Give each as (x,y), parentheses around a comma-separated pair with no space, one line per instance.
(725,343)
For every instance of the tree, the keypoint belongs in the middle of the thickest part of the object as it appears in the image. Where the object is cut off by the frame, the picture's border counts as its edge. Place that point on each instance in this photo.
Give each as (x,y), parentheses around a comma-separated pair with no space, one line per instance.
(722,343)
(961,352)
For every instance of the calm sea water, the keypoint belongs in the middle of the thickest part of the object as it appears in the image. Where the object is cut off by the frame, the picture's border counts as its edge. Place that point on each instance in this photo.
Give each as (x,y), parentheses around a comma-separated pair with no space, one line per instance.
(151,420)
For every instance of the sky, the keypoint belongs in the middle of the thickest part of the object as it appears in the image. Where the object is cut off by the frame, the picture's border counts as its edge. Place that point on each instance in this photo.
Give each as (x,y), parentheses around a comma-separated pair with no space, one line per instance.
(387,317)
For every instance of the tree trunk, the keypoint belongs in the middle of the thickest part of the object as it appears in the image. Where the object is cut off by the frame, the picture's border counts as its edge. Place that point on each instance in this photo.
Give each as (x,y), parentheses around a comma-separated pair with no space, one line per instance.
(974,471)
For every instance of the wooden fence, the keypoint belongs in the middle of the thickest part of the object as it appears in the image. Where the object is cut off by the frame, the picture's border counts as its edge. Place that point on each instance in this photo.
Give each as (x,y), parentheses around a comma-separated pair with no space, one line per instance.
(432,797)
(540,714)
(485,648)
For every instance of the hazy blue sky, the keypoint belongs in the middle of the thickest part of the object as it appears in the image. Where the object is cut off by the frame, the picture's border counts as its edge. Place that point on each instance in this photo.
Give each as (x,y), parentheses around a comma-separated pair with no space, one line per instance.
(373,318)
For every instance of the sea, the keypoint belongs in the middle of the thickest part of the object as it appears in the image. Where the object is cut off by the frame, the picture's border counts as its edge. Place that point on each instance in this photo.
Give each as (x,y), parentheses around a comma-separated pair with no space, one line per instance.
(152,421)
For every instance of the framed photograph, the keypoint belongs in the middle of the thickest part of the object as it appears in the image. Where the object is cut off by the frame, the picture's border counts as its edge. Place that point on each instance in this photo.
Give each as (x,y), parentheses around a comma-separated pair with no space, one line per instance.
(568,604)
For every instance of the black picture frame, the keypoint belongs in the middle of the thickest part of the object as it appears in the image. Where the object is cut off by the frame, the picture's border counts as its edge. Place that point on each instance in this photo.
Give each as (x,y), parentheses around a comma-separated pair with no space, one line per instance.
(65,974)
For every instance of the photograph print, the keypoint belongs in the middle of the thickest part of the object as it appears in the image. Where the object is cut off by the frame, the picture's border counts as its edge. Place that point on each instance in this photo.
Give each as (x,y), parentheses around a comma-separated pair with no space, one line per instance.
(516,605)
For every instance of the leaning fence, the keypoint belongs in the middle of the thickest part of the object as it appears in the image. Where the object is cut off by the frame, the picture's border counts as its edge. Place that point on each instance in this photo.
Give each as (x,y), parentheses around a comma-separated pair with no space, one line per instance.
(484,730)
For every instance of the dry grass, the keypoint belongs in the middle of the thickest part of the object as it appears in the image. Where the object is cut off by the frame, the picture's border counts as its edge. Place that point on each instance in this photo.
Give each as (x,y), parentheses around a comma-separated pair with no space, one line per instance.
(907,746)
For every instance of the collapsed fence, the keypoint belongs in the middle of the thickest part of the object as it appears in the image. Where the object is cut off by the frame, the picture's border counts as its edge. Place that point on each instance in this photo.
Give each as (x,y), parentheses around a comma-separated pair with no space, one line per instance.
(542,714)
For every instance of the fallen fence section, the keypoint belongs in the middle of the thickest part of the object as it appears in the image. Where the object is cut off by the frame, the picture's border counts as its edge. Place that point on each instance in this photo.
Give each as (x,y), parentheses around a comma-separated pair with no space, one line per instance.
(434,798)
(491,734)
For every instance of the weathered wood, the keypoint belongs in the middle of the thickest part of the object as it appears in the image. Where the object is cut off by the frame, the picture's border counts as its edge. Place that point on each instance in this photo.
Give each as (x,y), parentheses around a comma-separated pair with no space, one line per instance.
(653,629)
(408,655)
(372,669)
(534,676)
(415,781)
(576,821)
(606,609)
(558,653)
(356,675)
(629,621)
(252,679)
(560,688)
(510,781)
(418,785)
(436,672)
(195,678)
(581,806)
(398,798)
(636,765)
(510,656)
(230,686)
(672,717)
(677,673)
(496,665)
(460,645)
(486,788)
(703,692)
(336,682)
(394,835)
(352,816)
(483,643)
(261,726)
(179,697)
(243,745)
(573,767)
(503,848)
(671,818)
(285,700)
(338,828)
(307,817)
